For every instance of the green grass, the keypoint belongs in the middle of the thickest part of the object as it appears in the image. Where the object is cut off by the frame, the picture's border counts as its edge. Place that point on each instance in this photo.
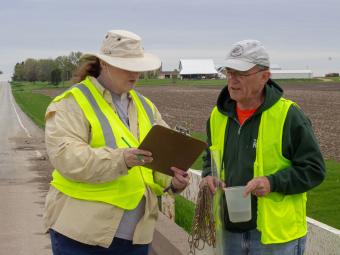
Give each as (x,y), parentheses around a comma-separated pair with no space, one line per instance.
(323,202)
(299,81)
(335,79)
(33,104)
(184,213)
(199,162)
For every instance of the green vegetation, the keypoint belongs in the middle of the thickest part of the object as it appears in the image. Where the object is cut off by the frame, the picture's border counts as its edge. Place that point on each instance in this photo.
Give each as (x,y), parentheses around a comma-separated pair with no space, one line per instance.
(33,104)
(323,202)
(199,162)
(334,79)
(51,70)
(184,213)
(299,81)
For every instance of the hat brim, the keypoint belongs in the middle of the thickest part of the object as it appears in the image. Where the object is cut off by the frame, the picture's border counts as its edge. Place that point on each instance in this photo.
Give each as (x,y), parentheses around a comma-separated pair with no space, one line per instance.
(148,62)
(238,64)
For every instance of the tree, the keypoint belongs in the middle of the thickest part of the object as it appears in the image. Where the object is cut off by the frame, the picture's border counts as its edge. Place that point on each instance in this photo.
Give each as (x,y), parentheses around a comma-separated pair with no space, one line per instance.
(41,69)
(18,74)
(31,70)
(0,72)
(68,64)
(45,68)
(174,75)
(56,76)
(74,58)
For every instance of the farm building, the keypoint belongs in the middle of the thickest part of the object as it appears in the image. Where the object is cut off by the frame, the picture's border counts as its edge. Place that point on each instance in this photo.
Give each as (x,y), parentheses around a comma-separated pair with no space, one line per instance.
(291,74)
(197,69)
(167,74)
(279,73)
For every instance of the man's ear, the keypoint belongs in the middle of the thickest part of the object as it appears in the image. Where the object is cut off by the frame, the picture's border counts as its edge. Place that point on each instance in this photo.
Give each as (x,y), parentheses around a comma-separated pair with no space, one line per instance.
(266,75)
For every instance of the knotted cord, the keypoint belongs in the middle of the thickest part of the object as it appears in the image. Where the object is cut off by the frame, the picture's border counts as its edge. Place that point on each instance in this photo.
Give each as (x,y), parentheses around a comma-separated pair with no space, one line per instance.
(203,225)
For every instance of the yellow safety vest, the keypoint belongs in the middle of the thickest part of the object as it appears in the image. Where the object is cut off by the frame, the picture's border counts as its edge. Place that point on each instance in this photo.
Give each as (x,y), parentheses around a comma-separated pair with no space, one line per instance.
(280,218)
(108,130)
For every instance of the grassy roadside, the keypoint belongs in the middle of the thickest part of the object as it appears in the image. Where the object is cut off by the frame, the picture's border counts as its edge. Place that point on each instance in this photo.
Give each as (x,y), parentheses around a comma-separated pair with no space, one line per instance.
(323,202)
(33,104)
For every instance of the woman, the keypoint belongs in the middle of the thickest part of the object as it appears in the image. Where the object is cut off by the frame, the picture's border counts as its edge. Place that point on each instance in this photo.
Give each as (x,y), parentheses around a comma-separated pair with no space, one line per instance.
(102,200)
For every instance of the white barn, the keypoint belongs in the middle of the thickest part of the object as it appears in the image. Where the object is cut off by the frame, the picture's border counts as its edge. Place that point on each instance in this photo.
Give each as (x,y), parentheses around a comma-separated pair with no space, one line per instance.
(197,69)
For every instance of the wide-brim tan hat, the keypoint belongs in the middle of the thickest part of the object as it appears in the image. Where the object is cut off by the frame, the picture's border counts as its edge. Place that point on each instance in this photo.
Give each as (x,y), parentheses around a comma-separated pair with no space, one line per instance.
(122,49)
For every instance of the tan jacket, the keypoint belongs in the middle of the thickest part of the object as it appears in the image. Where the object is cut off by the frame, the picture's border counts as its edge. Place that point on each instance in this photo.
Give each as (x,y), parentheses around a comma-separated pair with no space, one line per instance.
(67,136)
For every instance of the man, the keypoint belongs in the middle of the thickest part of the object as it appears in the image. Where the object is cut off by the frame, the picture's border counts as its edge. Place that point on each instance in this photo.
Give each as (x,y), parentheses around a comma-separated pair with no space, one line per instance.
(267,145)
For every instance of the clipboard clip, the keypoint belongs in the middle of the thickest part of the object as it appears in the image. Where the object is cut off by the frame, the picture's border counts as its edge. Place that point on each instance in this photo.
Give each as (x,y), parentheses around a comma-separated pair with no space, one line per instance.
(182,128)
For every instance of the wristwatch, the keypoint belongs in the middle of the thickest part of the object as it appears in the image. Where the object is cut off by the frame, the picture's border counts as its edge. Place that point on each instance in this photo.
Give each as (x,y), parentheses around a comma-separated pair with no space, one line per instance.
(170,187)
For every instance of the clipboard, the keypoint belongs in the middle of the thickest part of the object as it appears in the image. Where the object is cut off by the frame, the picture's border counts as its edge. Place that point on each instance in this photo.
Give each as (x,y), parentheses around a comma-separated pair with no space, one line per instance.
(171,148)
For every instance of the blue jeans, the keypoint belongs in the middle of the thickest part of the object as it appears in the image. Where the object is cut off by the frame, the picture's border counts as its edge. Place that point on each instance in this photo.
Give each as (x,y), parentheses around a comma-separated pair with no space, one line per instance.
(62,245)
(248,243)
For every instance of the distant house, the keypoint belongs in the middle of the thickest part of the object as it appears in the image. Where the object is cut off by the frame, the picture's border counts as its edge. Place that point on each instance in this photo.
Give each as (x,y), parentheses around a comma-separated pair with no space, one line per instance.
(167,74)
(197,69)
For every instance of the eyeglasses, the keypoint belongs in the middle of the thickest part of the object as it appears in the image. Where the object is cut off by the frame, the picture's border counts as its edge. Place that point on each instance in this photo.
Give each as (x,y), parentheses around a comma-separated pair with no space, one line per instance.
(240,74)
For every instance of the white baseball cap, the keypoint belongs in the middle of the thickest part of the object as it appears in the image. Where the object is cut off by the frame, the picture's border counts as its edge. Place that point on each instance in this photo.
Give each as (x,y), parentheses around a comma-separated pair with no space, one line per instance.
(245,54)
(122,49)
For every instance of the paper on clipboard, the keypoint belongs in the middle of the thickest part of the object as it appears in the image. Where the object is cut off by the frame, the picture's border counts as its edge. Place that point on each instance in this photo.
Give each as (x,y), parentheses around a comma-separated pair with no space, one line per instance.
(171,148)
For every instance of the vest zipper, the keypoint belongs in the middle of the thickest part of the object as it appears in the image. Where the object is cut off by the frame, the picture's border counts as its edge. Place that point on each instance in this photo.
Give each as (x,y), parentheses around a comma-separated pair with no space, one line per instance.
(239,130)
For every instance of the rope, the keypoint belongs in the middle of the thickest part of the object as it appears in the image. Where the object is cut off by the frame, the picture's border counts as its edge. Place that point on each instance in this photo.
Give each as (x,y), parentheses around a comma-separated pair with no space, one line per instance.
(203,225)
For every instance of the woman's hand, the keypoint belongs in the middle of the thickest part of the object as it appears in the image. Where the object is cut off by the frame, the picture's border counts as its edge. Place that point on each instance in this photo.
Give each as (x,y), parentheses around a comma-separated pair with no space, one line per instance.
(212,182)
(180,180)
(136,157)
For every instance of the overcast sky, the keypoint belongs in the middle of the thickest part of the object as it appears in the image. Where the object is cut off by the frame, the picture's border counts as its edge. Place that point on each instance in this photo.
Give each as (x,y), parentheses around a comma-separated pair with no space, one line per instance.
(298,34)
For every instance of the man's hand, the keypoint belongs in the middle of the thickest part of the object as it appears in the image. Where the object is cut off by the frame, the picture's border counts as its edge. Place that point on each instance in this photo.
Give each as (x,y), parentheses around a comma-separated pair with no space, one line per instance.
(212,182)
(259,186)
(136,157)
(180,180)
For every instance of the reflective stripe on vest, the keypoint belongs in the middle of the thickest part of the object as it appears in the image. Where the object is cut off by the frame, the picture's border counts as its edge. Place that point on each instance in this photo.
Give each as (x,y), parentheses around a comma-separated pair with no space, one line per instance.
(108,130)
(280,218)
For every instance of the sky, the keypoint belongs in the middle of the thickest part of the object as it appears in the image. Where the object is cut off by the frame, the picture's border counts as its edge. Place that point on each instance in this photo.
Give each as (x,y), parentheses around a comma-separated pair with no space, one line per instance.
(298,34)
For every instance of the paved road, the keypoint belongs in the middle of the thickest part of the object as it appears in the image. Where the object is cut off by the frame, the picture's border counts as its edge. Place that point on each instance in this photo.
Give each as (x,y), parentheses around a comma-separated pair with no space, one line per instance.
(21,196)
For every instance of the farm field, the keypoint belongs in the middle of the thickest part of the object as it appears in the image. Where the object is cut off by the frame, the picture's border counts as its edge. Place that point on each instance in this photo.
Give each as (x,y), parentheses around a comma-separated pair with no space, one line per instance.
(191,105)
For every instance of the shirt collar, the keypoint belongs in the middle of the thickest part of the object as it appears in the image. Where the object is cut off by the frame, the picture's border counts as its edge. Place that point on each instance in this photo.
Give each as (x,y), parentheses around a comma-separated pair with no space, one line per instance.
(103,91)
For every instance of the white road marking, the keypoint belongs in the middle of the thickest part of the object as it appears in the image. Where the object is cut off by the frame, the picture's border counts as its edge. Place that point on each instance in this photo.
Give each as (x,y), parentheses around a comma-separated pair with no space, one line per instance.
(18,117)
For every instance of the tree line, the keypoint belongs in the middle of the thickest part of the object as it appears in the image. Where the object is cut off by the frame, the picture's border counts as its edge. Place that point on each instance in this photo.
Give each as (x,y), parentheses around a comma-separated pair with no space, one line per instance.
(55,70)
(50,70)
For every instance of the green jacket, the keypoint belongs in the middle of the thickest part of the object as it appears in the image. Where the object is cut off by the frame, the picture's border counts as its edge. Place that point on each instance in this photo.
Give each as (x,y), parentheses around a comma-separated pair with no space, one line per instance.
(299,145)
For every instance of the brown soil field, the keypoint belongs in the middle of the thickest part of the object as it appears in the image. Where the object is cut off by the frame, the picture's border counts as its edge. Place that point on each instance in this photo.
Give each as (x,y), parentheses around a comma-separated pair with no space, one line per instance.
(191,106)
